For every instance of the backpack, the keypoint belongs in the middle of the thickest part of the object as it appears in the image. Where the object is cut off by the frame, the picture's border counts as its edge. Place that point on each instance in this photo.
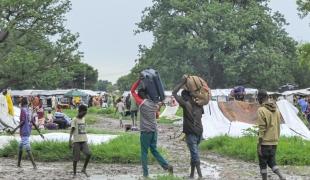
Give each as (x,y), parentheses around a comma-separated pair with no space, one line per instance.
(199,89)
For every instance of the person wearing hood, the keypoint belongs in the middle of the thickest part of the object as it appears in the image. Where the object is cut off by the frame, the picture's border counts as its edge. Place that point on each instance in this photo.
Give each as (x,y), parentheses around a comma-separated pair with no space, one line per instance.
(269,120)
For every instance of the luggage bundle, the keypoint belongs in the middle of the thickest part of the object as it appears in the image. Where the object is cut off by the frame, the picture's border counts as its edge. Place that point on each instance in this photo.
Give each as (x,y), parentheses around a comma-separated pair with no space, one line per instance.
(199,89)
(238,93)
(152,83)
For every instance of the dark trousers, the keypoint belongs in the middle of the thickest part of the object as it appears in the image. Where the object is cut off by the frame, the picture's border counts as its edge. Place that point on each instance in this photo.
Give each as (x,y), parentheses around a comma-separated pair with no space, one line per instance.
(268,158)
(193,142)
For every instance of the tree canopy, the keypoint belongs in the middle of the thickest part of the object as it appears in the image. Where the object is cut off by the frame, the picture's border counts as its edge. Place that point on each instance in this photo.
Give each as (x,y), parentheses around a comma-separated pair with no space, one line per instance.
(228,43)
(39,52)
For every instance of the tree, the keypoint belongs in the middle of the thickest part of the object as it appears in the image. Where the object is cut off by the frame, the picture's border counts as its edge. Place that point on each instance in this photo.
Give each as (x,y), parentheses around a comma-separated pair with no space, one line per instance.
(225,42)
(29,59)
(303,7)
(83,75)
(102,85)
(124,83)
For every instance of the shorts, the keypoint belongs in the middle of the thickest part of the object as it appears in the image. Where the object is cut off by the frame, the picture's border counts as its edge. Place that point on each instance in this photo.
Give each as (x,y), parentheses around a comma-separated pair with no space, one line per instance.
(133,114)
(78,147)
(24,142)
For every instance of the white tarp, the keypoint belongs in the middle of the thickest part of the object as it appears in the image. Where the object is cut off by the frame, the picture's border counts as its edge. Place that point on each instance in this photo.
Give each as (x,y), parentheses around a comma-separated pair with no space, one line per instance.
(169,112)
(61,137)
(6,120)
(289,113)
(215,123)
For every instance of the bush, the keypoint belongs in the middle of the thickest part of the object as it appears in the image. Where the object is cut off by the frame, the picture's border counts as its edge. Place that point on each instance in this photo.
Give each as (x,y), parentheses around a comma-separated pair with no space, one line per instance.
(123,149)
(291,151)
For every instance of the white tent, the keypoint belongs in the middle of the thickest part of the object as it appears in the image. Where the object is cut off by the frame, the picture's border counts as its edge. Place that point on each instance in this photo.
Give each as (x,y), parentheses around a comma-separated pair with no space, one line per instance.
(216,124)
(6,120)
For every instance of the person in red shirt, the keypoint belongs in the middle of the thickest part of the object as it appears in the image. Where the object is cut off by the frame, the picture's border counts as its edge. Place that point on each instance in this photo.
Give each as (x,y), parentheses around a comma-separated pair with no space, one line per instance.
(148,128)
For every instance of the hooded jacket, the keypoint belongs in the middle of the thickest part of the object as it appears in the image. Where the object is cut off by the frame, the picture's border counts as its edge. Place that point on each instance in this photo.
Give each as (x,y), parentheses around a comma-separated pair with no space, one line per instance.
(269,120)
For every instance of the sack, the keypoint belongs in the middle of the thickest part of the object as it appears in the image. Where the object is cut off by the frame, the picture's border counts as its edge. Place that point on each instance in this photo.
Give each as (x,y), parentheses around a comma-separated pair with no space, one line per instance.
(152,83)
(199,89)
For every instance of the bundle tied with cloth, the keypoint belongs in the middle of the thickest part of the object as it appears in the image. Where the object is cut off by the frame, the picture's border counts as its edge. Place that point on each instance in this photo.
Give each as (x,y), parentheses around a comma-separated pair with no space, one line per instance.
(198,88)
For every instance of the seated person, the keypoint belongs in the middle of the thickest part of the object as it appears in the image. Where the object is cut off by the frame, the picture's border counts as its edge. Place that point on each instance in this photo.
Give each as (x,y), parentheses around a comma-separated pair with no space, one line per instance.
(50,121)
(62,120)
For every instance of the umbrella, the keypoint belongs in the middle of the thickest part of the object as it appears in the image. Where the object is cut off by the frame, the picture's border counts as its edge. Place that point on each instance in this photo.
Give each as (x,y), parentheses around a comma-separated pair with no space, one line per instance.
(75,93)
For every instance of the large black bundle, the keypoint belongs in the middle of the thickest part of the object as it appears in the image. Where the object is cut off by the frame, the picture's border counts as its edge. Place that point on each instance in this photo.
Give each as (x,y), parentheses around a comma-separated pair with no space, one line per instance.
(153,85)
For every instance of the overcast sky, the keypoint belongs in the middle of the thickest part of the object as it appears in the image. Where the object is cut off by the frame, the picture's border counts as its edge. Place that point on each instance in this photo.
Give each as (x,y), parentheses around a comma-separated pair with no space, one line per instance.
(109,44)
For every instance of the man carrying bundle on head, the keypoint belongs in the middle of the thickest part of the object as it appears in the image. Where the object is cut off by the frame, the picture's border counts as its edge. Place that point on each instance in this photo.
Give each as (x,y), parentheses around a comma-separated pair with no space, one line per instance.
(269,120)
(192,112)
(148,108)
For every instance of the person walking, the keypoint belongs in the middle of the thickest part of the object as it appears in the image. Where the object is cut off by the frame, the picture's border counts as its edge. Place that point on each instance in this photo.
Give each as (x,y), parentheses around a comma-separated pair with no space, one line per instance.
(120,109)
(78,132)
(148,128)
(192,126)
(25,127)
(269,120)
(133,111)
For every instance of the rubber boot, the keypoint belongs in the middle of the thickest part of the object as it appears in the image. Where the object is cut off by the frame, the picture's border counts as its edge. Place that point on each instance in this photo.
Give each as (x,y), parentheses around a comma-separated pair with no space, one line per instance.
(20,154)
(32,159)
(74,168)
(192,174)
(198,169)
(85,165)
(277,172)
(264,176)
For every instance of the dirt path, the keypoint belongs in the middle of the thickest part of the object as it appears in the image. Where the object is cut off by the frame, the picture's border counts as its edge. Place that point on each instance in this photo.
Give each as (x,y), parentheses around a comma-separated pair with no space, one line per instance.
(213,165)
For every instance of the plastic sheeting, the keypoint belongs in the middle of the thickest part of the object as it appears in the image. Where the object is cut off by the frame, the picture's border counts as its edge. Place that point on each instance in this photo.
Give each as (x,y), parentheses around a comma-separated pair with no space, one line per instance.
(169,112)
(215,123)
(289,114)
(61,137)
(6,120)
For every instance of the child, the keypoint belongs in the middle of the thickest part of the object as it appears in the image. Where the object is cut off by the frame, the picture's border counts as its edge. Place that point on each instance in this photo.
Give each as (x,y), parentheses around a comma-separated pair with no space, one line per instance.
(25,125)
(120,108)
(78,131)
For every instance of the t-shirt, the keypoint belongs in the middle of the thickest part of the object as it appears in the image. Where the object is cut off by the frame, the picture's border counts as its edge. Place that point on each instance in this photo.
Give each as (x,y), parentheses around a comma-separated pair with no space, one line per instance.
(26,118)
(120,106)
(133,104)
(79,133)
(148,111)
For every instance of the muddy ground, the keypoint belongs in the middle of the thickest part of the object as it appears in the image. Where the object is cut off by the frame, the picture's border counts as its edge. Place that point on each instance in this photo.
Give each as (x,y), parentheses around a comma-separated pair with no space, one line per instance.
(213,165)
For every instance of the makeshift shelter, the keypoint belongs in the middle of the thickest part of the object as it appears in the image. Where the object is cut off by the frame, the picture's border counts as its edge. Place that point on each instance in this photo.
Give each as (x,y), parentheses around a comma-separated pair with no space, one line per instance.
(234,117)
(75,93)
(6,120)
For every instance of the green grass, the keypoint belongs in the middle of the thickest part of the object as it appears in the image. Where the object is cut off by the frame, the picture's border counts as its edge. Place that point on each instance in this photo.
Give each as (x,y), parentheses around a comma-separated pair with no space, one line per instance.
(291,151)
(123,149)
(90,118)
(179,112)
(167,177)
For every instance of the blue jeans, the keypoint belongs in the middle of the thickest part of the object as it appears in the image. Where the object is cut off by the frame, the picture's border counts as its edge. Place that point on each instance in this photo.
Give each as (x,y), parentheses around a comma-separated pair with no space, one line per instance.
(24,142)
(193,142)
(149,140)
